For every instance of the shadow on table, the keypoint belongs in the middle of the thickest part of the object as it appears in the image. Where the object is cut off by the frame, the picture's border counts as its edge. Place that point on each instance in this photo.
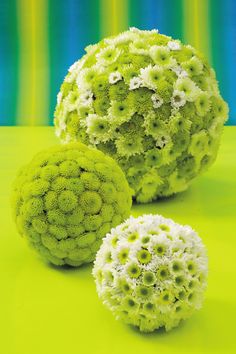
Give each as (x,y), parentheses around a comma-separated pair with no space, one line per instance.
(208,196)
(82,271)
(207,331)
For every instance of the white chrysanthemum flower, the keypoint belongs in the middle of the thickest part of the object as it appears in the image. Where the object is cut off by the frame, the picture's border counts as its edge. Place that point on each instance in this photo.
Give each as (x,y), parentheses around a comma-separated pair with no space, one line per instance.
(115,77)
(180,72)
(178,99)
(160,55)
(139,47)
(135,83)
(151,272)
(98,128)
(188,86)
(108,55)
(86,97)
(71,101)
(163,139)
(157,100)
(150,75)
(173,45)
(121,38)
(86,77)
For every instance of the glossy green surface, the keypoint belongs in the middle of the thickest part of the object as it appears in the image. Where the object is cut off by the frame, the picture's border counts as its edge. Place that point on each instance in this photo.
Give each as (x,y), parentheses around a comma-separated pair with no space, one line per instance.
(44,309)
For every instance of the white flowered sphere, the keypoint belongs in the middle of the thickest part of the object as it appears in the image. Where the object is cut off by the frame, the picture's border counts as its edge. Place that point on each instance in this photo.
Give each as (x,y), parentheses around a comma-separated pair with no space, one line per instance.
(150,102)
(151,272)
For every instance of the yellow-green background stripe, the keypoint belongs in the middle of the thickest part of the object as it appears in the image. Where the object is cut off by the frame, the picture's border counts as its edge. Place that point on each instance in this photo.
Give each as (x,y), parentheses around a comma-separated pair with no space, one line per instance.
(33,62)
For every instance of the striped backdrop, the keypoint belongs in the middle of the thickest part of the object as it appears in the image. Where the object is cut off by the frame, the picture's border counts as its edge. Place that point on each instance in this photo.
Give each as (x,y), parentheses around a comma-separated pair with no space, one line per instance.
(40,39)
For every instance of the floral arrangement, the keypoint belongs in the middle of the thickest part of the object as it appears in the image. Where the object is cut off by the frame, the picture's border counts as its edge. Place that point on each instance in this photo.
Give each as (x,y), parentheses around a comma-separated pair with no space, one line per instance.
(150,102)
(66,199)
(151,272)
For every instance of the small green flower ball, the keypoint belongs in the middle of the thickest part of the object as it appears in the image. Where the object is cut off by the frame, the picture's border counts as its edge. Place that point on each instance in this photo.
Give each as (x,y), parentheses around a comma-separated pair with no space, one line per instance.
(66,200)
(151,272)
(150,102)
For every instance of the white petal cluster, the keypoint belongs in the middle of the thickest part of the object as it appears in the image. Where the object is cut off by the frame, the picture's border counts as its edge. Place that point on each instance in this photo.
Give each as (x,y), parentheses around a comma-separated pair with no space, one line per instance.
(135,83)
(157,100)
(173,45)
(178,99)
(151,272)
(115,77)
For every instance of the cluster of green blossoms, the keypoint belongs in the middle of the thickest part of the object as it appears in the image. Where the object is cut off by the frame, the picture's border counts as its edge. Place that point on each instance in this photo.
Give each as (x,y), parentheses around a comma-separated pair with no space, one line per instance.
(67,199)
(150,102)
(151,272)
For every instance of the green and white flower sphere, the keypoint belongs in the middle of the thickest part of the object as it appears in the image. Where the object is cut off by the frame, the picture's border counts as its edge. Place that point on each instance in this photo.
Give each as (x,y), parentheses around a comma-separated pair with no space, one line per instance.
(150,102)
(66,199)
(151,272)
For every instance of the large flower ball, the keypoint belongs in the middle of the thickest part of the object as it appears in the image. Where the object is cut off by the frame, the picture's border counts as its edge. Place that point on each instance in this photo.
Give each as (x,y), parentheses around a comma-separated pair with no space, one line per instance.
(151,272)
(67,199)
(150,102)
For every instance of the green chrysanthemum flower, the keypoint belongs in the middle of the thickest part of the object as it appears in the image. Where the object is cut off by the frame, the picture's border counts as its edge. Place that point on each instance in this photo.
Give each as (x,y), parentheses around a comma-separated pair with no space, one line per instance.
(140,91)
(157,269)
(67,199)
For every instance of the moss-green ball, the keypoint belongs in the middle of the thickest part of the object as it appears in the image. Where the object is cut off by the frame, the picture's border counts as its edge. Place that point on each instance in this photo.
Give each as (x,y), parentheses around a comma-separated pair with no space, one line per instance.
(66,199)
(151,272)
(150,102)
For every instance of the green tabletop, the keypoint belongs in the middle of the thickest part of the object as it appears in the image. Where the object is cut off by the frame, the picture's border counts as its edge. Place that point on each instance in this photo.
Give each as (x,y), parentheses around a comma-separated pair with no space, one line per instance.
(52,310)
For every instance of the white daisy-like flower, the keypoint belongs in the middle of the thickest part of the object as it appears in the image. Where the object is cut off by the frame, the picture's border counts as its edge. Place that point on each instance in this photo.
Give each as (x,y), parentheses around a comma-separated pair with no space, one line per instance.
(122,38)
(71,101)
(178,99)
(150,75)
(135,83)
(162,140)
(108,55)
(180,72)
(161,55)
(188,86)
(156,100)
(115,77)
(173,45)
(139,47)
(86,97)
